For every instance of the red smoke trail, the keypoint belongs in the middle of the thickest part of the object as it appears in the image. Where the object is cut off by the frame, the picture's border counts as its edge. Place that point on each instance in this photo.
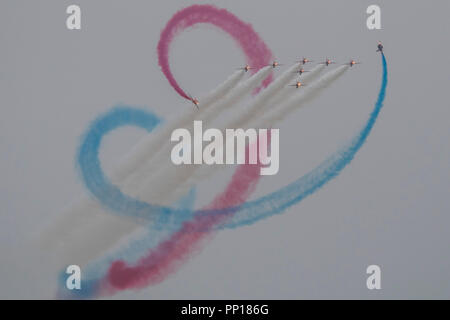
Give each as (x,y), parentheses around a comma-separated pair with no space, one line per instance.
(169,255)
(254,48)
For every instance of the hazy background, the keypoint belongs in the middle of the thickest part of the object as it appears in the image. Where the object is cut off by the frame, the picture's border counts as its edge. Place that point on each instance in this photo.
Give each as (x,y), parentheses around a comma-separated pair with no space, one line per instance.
(390,207)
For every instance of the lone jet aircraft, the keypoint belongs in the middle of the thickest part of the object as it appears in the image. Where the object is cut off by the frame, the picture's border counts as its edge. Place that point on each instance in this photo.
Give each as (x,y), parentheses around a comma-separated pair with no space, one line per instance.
(380,47)
(275,64)
(305,60)
(246,68)
(298,84)
(352,63)
(301,71)
(327,62)
(194,101)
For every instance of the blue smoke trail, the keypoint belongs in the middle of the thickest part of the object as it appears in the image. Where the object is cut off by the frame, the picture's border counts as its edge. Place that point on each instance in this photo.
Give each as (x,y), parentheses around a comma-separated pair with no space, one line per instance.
(280,200)
(92,174)
(248,213)
(171,219)
(95,271)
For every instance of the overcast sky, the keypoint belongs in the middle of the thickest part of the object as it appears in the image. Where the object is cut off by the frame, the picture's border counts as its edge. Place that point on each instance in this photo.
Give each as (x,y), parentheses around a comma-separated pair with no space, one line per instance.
(389,207)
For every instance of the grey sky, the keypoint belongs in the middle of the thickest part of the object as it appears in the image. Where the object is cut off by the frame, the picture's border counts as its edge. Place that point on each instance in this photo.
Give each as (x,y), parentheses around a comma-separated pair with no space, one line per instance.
(389,207)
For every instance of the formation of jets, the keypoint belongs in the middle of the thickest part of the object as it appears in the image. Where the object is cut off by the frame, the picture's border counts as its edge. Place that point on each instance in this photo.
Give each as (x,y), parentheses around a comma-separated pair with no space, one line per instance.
(304,61)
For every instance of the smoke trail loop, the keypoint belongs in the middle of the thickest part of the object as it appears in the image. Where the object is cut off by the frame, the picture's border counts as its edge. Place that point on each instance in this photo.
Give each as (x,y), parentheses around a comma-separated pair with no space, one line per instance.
(252,45)
(223,213)
(121,276)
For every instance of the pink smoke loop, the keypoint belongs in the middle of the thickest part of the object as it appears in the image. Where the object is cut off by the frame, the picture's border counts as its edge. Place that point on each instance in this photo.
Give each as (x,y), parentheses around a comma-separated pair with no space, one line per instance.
(254,48)
(168,256)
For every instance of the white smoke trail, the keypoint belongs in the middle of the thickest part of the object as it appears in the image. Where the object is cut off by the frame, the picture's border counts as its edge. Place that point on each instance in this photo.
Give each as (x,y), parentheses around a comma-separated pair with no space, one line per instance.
(138,184)
(82,223)
(147,146)
(156,164)
(259,104)
(304,95)
(193,174)
(93,231)
(174,178)
(272,96)
(175,182)
(158,158)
